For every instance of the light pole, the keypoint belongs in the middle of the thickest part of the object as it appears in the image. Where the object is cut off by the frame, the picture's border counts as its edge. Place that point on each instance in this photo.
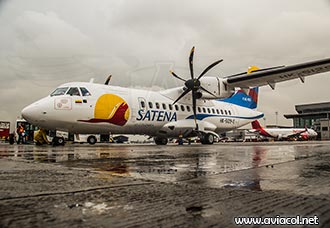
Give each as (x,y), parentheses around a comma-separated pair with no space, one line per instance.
(276,114)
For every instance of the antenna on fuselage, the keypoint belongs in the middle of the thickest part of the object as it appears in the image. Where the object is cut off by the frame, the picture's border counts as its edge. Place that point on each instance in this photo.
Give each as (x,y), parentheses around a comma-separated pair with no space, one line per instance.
(108,80)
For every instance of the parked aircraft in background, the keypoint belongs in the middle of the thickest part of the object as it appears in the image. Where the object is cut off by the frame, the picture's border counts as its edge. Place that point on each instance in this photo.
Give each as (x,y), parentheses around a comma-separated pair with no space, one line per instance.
(203,107)
(283,133)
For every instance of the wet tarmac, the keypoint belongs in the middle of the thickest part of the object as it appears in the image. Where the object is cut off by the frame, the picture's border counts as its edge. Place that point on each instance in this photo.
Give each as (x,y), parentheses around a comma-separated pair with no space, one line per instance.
(108,185)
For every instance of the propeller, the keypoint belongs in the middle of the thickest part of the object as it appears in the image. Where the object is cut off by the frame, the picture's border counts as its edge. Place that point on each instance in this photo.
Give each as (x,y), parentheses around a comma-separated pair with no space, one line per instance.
(193,85)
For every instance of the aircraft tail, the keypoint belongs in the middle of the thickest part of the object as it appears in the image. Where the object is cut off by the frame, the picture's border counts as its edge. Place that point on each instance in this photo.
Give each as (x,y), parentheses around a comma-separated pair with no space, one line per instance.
(240,98)
(256,125)
(253,93)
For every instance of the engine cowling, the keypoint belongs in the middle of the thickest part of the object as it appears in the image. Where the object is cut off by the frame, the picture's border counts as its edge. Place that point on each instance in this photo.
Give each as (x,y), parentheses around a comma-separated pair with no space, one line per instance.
(216,86)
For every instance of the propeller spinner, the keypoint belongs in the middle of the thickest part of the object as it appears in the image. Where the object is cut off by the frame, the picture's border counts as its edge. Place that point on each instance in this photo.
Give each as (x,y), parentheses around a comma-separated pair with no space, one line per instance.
(193,85)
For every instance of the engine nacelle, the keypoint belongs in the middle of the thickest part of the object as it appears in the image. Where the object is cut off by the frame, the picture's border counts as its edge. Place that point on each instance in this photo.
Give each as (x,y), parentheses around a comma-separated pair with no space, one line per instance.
(216,86)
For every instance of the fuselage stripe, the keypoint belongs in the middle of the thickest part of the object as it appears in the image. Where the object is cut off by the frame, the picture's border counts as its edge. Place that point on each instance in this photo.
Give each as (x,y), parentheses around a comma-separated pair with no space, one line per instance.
(203,116)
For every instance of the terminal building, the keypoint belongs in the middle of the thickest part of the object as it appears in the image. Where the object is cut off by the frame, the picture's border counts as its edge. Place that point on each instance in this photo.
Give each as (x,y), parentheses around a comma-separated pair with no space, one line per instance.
(314,116)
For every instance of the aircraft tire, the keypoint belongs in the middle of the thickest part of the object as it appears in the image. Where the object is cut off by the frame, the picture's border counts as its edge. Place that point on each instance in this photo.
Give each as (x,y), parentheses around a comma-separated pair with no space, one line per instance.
(91,139)
(161,141)
(58,141)
(207,139)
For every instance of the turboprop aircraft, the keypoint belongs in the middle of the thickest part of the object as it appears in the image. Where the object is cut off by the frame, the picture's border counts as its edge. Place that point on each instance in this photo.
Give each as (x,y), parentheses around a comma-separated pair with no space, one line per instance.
(203,107)
(283,133)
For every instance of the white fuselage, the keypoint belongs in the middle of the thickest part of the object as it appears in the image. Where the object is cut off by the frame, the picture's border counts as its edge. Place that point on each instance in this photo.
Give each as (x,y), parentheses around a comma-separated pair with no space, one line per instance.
(289,132)
(111,109)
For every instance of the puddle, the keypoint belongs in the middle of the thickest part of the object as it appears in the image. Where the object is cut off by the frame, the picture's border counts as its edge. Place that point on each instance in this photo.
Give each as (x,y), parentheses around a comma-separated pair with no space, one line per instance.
(246,166)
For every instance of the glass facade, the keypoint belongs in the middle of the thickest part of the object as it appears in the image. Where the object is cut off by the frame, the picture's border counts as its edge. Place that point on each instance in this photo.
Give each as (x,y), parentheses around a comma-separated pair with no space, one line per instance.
(312,116)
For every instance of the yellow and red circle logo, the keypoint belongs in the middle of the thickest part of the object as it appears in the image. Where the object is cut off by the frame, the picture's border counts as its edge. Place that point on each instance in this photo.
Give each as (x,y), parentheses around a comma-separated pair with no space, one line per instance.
(110,108)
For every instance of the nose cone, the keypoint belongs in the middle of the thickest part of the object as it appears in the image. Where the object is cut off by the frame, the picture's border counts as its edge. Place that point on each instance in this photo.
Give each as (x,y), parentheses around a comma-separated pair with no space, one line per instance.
(36,113)
(31,113)
(314,133)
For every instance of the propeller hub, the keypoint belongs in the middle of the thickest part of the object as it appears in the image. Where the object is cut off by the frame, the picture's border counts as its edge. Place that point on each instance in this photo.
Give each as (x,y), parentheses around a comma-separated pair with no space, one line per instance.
(193,84)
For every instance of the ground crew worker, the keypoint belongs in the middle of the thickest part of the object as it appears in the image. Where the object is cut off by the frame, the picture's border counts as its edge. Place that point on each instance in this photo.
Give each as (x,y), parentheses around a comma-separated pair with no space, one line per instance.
(180,140)
(41,137)
(20,131)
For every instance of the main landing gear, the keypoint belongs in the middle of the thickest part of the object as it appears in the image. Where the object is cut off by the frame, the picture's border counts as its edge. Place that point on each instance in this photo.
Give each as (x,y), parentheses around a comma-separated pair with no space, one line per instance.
(207,138)
(161,140)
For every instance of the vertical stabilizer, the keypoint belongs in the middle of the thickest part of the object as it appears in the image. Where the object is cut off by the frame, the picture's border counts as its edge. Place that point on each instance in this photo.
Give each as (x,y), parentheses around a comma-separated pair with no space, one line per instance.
(253,93)
(256,125)
(245,100)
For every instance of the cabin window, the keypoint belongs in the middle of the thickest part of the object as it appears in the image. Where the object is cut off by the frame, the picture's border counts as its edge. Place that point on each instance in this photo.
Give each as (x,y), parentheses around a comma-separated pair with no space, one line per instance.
(229,112)
(59,91)
(170,107)
(150,104)
(84,91)
(204,110)
(217,111)
(188,108)
(73,91)
(182,108)
(226,112)
(143,105)
(199,109)
(213,111)
(208,110)
(221,112)
(176,107)
(164,106)
(157,105)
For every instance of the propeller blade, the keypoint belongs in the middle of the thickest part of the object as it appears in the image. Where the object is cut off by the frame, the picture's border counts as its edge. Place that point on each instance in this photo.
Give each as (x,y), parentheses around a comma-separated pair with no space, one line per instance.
(175,75)
(191,58)
(182,95)
(202,88)
(194,109)
(209,68)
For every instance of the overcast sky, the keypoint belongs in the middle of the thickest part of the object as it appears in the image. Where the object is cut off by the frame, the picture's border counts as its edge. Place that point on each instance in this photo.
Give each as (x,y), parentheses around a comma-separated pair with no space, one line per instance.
(45,43)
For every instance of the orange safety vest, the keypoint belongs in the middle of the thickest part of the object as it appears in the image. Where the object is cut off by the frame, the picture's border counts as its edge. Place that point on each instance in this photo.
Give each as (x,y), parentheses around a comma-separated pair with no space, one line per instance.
(21,129)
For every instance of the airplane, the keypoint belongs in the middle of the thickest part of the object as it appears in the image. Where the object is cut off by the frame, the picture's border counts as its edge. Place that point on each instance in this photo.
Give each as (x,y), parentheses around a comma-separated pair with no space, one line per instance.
(283,133)
(204,107)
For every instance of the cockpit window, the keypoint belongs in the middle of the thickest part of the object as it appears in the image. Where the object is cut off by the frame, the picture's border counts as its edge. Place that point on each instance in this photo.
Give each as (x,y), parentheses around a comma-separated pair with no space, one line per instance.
(73,91)
(84,91)
(59,91)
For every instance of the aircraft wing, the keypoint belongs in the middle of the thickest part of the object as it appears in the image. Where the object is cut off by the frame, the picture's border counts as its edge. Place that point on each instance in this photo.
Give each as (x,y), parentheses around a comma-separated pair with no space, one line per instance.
(271,76)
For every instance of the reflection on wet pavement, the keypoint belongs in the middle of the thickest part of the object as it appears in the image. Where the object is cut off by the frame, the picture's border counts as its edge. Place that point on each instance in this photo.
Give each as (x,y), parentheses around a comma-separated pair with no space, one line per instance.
(263,166)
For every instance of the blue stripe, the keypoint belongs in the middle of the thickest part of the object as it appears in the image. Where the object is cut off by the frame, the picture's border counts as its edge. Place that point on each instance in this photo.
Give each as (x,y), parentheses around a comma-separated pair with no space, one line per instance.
(203,116)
